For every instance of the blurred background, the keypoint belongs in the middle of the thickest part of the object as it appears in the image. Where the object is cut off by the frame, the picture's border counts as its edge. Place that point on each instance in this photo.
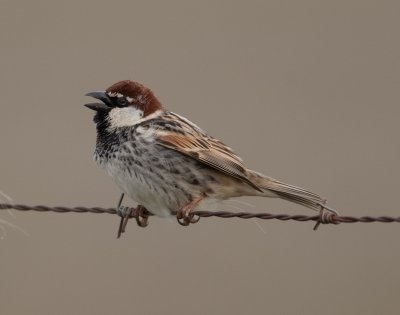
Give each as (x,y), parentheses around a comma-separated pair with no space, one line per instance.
(305,91)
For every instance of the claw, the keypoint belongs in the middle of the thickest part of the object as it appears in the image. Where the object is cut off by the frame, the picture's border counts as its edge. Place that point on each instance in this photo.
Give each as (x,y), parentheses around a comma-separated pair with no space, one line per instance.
(140,213)
(141,216)
(185,217)
(186,220)
(194,219)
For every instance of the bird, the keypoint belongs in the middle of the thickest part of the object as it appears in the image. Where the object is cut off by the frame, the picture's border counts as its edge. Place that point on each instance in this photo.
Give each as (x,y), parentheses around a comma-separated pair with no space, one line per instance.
(169,165)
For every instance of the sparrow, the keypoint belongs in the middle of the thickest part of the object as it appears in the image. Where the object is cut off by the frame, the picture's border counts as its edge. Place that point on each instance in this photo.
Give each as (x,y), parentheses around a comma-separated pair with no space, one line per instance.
(167,164)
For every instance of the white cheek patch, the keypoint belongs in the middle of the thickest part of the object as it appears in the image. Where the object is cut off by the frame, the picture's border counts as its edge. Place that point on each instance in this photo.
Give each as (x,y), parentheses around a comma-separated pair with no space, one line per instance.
(114,94)
(123,117)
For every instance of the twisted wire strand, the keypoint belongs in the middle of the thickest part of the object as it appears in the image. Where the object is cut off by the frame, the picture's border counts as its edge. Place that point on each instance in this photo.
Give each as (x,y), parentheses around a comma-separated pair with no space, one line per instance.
(331,219)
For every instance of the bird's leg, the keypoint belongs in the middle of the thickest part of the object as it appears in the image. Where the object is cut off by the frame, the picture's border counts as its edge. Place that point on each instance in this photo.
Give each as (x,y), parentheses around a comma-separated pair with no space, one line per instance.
(184,215)
(140,213)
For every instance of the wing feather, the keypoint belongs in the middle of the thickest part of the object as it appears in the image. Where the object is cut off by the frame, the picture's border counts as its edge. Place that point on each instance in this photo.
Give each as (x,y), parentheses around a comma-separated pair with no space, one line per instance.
(205,149)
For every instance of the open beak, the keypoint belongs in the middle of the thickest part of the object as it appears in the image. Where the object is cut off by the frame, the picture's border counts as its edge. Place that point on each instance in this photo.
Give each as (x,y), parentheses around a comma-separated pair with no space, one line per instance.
(106,106)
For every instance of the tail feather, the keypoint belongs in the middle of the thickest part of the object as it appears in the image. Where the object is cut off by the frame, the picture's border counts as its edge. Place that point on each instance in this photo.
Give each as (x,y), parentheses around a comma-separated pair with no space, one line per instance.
(289,192)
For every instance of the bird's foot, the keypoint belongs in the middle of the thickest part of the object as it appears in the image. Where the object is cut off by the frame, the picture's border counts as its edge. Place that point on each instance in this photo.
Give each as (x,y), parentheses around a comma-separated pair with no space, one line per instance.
(184,215)
(140,213)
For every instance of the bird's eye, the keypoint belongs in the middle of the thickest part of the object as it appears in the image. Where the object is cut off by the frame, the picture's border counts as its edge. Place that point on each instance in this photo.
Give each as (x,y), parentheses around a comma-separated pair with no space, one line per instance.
(122,101)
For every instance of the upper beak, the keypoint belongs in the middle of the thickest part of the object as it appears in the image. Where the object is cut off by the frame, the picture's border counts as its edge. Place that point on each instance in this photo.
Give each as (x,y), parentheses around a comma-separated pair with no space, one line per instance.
(106,106)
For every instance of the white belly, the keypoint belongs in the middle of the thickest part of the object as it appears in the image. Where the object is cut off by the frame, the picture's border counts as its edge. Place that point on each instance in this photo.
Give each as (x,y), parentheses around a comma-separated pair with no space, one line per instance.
(142,188)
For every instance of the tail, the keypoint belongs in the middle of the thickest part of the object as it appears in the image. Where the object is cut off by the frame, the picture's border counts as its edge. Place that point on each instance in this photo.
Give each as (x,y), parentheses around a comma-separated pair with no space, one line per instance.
(288,192)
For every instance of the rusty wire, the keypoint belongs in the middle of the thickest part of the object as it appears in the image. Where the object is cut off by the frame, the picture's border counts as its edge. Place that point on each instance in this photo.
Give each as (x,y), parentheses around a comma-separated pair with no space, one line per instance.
(330,219)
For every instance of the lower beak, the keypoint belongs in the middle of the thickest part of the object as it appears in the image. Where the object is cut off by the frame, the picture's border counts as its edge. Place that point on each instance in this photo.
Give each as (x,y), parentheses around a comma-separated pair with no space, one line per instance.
(98,107)
(106,106)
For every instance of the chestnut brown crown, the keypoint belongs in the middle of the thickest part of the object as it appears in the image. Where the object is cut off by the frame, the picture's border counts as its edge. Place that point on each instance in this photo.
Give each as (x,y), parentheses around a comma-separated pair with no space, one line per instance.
(131,93)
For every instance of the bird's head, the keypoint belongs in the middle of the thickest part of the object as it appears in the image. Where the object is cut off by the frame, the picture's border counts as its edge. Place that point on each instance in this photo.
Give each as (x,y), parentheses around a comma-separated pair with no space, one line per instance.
(124,103)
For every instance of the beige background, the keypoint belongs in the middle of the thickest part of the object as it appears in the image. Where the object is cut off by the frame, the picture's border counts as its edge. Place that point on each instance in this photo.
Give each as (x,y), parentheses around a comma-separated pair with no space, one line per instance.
(305,91)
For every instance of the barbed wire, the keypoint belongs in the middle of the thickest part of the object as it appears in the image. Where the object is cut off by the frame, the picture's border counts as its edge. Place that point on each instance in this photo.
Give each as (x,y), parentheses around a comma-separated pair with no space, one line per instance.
(327,218)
